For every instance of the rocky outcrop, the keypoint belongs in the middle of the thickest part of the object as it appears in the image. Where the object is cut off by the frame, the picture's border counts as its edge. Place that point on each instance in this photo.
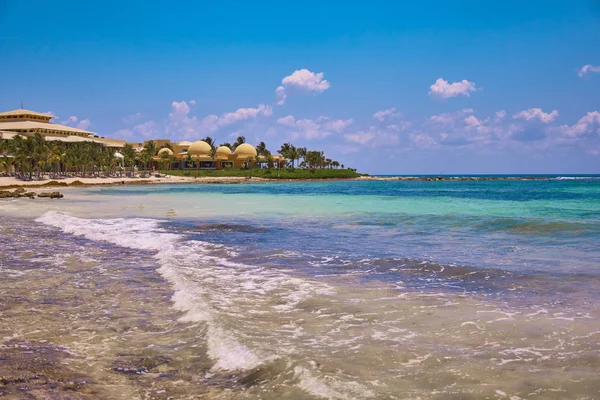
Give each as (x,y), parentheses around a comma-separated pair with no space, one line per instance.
(21,192)
(51,195)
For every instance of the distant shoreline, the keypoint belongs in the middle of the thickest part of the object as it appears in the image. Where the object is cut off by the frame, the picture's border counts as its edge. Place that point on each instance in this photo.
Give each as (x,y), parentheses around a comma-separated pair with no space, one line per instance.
(13,183)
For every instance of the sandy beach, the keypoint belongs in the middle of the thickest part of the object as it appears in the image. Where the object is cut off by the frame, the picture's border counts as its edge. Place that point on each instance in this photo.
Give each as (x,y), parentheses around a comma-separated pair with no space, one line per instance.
(11,182)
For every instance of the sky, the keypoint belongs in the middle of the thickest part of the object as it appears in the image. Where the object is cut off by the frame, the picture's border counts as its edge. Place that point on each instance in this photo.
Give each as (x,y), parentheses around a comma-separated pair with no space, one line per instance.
(386,87)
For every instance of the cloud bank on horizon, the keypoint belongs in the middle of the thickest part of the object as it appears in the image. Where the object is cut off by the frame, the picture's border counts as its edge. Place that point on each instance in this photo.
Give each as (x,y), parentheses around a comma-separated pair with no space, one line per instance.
(528,130)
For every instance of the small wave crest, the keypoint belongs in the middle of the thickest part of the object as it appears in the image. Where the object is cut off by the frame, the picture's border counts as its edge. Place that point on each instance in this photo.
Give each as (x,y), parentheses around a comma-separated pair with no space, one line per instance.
(576,178)
(227,297)
(147,234)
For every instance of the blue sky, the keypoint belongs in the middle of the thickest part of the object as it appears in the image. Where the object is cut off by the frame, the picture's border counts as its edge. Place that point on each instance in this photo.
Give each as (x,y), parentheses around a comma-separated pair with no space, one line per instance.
(386,87)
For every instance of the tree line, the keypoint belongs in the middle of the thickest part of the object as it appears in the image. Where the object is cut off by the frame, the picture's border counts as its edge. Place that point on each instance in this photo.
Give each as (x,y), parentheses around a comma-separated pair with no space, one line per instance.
(34,156)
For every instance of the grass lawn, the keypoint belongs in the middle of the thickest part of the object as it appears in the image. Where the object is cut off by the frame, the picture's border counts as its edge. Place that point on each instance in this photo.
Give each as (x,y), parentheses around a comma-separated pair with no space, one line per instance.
(270,173)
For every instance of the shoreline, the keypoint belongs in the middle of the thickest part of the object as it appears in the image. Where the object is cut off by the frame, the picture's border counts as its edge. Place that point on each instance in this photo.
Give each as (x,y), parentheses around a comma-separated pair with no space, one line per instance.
(14,183)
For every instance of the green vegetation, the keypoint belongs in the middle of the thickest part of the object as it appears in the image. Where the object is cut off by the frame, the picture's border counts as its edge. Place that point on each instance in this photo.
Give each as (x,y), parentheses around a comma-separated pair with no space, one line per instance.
(286,173)
(29,156)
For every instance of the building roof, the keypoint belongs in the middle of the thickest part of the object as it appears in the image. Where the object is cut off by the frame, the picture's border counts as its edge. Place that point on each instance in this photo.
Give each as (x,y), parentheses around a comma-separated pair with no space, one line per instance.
(15,125)
(223,150)
(8,135)
(165,150)
(184,143)
(245,150)
(199,148)
(22,111)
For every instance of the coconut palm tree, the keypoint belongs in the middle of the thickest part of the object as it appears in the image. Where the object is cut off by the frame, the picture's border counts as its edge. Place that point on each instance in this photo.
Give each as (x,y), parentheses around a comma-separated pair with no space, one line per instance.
(165,158)
(148,152)
(128,157)
(261,149)
(210,141)
(55,158)
(189,161)
(302,154)
(212,153)
(240,140)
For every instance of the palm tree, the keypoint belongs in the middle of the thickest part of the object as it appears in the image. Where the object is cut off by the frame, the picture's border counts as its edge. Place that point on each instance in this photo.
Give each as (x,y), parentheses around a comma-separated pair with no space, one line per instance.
(210,141)
(165,158)
(7,162)
(240,140)
(128,157)
(212,153)
(172,160)
(261,149)
(55,158)
(293,155)
(148,152)
(290,152)
(226,144)
(189,161)
(302,153)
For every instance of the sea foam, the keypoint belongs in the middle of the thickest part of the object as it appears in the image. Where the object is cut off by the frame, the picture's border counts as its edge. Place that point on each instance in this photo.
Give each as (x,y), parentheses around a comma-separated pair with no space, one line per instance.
(146,234)
(208,288)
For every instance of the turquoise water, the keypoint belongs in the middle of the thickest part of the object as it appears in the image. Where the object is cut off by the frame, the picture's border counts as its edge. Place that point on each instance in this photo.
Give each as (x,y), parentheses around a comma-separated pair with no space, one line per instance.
(521,226)
(337,290)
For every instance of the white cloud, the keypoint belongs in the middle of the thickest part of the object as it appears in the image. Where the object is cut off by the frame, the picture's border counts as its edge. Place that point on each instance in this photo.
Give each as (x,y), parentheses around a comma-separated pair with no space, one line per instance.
(500,115)
(280,95)
(191,127)
(148,129)
(72,119)
(132,118)
(306,128)
(243,114)
(193,102)
(84,124)
(536,113)
(80,124)
(402,126)
(389,113)
(338,125)
(587,125)
(450,118)
(442,89)
(588,68)
(374,137)
(314,129)
(472,120)
(422,139)
(361,137)
(304,80)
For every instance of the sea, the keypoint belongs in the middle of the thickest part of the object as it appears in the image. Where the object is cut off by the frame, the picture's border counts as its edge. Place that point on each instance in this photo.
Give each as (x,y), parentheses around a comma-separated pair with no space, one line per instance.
(390,289)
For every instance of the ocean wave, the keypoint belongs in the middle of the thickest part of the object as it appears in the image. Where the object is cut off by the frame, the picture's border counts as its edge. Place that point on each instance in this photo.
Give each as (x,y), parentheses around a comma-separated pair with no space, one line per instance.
(229,298)
(566,178)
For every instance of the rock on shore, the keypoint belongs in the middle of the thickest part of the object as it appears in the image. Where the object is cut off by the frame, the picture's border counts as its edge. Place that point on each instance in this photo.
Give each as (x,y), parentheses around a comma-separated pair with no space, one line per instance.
(21,192)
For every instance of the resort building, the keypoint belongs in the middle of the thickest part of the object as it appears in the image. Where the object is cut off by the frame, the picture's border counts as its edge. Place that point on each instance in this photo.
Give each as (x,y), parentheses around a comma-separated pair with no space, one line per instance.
(200,155)
(27,122)
(172,155)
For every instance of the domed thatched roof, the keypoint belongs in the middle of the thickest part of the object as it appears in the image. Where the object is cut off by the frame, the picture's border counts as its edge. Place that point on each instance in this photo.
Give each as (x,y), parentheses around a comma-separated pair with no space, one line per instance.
(223,151)
(245,150)
(165,150)
(199,148)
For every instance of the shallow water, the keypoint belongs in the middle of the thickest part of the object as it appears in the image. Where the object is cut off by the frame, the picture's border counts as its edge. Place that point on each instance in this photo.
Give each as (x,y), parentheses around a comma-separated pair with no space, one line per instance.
(340,290)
